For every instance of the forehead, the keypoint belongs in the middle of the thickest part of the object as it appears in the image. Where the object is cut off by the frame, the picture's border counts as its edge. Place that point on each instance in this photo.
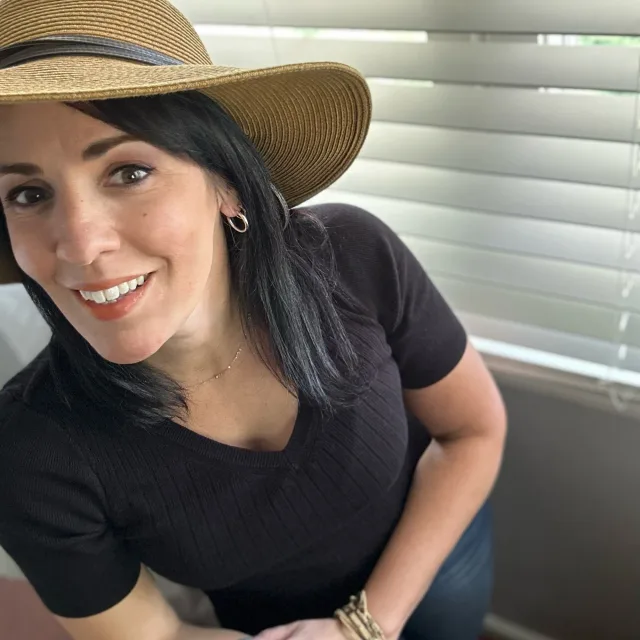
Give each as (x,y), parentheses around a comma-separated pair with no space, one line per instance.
(39,113)
(39,126)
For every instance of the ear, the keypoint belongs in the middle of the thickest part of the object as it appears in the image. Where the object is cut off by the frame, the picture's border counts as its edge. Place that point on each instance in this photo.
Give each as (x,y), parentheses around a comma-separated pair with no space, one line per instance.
(228,200)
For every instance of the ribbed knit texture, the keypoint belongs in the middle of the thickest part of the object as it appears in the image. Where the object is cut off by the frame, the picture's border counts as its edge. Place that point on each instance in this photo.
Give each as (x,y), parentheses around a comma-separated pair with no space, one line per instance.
(270,536)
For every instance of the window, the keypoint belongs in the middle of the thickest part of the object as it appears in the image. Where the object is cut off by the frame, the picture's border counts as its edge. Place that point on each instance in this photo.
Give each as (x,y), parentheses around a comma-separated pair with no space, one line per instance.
(504,150)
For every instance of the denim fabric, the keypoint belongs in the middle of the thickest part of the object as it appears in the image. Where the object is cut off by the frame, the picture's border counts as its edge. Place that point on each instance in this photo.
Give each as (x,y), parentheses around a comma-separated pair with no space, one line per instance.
(460,596)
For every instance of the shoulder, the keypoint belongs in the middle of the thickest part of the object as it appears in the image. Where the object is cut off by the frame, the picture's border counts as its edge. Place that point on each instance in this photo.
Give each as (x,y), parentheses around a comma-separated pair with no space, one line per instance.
(54,510)
(43,468)
(352,228)
(24,434)
(33,386)
(368,256)
(31,435)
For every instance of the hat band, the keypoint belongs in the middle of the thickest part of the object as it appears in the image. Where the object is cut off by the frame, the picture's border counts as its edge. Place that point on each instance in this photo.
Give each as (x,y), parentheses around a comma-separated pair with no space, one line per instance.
(81,45)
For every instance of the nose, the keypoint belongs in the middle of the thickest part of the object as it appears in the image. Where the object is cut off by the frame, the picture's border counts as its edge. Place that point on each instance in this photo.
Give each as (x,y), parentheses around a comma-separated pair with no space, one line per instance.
(84,230)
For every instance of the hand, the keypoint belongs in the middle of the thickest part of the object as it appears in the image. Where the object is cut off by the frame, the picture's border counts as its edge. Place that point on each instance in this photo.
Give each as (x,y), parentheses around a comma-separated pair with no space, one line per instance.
(327,629)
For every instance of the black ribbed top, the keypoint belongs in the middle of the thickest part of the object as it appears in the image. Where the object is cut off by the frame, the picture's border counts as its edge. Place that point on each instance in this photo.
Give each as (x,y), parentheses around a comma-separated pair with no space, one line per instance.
(269,536)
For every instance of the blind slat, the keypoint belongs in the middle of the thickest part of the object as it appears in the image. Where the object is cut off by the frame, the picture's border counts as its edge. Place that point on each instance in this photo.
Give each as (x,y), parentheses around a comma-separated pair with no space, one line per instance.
(561,241)
(521,197)
(551,313)
(592,116)
(541,16)
(354,14)
(573,160)
(509,185)
(531,65)
(242,12)
(514,16)
(594,285)
(543,339)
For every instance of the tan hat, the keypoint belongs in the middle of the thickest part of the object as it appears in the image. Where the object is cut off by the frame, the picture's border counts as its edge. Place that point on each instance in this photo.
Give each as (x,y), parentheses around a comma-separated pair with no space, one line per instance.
(308,121)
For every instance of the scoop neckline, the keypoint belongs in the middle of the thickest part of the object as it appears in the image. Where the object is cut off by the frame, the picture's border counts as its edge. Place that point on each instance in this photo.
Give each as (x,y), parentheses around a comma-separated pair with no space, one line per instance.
(290,456)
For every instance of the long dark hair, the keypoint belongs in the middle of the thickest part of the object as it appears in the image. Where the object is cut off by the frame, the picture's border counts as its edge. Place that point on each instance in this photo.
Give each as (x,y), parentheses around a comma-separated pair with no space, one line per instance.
(282,273)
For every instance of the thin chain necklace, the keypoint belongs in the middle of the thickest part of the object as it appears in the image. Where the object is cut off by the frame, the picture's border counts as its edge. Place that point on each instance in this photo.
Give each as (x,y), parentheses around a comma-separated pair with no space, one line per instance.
(218,375)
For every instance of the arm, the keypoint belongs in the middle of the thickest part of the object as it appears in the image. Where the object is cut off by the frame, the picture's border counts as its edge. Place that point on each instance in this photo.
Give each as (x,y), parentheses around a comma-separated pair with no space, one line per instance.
(448,388)
(466,417)
(143,615)
(54,524)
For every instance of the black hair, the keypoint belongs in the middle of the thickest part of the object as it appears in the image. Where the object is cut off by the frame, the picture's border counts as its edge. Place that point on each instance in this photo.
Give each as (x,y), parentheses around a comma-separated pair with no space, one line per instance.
(282,273)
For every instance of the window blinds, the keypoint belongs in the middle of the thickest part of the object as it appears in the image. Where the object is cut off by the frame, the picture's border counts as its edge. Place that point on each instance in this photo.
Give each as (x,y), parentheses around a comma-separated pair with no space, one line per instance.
(504,150)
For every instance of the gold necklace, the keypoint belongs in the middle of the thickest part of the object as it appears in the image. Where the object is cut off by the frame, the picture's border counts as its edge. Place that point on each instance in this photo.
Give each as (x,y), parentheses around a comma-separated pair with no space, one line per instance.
(217,375)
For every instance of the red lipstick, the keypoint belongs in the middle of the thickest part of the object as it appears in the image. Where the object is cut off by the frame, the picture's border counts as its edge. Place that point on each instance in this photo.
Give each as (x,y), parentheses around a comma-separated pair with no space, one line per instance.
(119,308)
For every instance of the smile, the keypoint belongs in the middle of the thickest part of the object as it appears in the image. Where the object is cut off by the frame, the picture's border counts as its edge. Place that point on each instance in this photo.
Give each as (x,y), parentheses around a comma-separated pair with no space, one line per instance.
(113,294)
(117,301)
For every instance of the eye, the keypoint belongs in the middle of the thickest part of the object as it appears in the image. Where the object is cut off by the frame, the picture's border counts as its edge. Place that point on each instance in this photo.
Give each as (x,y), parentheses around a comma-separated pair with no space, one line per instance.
(26,196)
(132,174)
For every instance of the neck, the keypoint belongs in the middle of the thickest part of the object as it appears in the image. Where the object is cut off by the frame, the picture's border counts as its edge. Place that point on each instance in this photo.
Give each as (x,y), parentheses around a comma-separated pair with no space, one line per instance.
(206,345)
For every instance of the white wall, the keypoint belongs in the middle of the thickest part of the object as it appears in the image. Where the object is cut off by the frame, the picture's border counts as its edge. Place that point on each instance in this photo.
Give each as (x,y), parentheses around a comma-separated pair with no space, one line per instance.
(567,511)
(23,333)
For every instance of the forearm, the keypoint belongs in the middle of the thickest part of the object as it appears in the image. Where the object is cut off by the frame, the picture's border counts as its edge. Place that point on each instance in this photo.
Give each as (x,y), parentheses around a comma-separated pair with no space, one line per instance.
(452,481)
(189,632)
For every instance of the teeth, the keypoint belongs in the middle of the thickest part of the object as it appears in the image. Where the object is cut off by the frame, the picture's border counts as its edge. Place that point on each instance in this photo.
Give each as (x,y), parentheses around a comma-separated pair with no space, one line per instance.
(113,293)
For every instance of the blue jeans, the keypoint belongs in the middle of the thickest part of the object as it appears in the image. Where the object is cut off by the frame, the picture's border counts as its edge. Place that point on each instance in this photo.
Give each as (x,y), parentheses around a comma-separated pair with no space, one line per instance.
(460,595)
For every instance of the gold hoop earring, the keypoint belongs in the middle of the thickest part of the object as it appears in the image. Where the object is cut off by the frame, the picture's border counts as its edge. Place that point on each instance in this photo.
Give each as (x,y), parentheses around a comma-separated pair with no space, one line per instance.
(244,219)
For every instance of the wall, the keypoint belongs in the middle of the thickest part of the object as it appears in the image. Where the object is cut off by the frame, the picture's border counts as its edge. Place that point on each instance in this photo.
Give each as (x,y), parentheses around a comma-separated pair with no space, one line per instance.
(567,514)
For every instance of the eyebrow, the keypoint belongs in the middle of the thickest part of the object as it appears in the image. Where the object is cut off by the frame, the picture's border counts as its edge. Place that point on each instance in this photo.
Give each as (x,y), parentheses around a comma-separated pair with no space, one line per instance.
(92,152)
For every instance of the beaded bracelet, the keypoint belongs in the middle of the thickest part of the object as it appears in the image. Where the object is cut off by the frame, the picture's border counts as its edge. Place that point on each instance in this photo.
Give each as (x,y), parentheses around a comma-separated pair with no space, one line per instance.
(356,620)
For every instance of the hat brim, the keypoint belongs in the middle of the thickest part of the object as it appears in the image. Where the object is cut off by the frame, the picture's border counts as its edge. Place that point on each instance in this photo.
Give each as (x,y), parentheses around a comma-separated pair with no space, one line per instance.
(308,121)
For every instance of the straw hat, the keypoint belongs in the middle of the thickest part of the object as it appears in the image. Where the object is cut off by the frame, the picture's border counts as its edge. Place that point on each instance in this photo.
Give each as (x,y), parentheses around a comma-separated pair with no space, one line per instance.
(307,120)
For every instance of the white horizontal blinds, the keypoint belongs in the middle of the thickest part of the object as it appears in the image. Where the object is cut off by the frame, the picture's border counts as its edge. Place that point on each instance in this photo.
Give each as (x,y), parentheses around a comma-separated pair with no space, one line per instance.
(468,16)
(551,158)
(506,159)
(507,110)
(489,63)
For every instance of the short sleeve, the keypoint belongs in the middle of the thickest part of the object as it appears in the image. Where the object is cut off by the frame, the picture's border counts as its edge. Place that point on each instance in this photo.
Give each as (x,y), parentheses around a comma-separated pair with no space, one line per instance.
(52,518)
(426,338)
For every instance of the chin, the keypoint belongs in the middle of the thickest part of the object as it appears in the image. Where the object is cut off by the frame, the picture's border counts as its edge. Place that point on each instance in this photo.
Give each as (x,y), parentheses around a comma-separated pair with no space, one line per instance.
(131,351)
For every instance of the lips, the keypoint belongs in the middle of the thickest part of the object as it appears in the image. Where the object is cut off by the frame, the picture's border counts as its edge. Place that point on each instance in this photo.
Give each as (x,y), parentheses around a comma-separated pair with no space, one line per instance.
(112,294)
(118,308)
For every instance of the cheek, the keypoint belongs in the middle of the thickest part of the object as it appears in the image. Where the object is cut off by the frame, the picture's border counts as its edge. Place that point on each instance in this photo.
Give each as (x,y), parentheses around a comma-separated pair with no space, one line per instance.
(185,237)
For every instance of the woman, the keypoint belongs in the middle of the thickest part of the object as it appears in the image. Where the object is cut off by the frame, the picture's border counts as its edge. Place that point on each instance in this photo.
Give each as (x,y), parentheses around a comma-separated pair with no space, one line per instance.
(236,395)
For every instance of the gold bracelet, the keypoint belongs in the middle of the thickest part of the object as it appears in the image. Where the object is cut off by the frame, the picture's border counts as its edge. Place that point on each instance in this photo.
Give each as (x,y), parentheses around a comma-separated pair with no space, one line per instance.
(357,621)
